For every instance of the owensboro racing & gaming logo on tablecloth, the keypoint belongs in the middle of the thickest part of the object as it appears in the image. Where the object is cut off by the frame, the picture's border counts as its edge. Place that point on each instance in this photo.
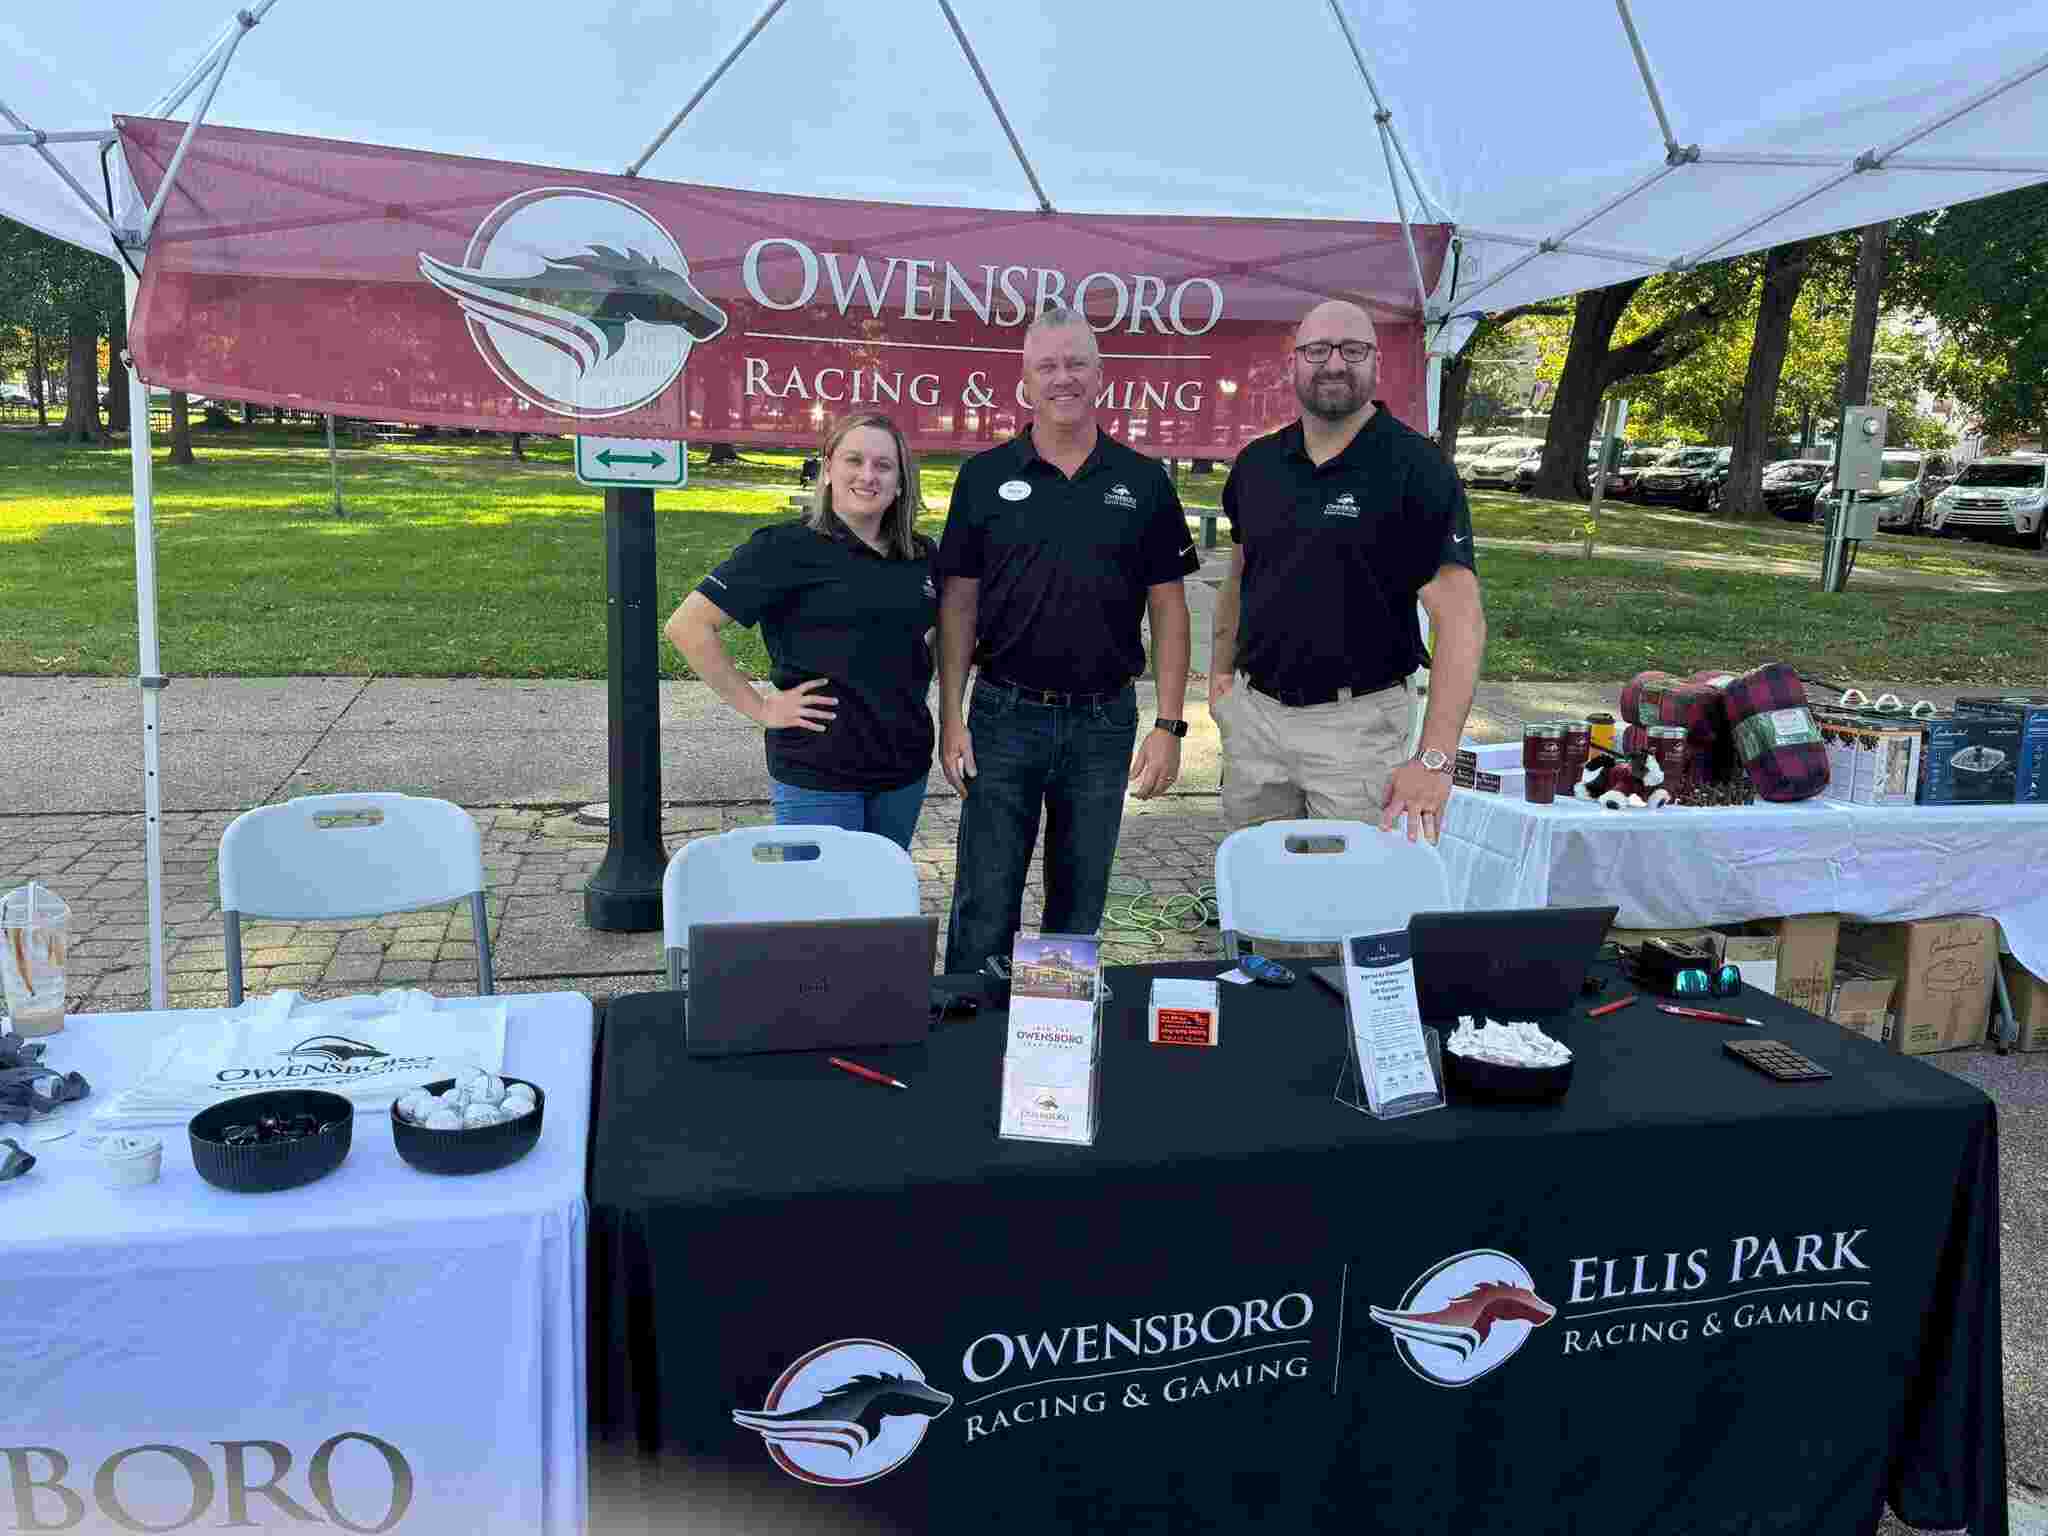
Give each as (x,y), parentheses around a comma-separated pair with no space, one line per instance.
(850,1411)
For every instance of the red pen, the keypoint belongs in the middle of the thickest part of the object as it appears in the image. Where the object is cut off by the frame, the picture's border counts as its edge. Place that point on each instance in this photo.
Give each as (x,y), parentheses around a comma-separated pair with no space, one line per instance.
(867,1072)
(1708,1013)
(1606,1008)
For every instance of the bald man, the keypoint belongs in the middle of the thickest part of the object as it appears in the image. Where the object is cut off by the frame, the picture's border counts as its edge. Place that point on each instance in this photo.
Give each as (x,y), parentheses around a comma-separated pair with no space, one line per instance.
(1341,523)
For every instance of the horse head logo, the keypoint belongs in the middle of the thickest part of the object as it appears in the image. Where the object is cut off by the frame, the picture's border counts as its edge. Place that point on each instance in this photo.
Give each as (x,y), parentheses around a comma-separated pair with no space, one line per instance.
(1465,1317)
(338,1049)
(846,1413)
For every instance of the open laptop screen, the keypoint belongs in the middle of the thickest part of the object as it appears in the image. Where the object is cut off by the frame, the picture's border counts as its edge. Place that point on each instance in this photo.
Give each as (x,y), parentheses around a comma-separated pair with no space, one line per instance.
(808,986)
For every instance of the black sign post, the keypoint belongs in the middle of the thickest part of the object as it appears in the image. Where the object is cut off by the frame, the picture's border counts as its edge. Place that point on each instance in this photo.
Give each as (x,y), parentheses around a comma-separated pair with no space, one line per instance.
(624,896)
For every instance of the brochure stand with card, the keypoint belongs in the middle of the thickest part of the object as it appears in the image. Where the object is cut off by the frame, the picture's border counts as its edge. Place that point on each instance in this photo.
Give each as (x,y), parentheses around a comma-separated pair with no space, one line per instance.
(1052,1048)
(1392,1065)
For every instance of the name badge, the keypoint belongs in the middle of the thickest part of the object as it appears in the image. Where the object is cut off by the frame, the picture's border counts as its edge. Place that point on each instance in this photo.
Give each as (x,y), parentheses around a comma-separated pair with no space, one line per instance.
(1014,490)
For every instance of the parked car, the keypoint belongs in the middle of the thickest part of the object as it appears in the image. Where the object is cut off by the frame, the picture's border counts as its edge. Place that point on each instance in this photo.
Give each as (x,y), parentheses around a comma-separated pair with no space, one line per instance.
(1623,478)
(1791,485)
(1525,472)
(1498,464)
(2000,497)
(15,397)
(1907,483)
(1689,477)
(1470,448)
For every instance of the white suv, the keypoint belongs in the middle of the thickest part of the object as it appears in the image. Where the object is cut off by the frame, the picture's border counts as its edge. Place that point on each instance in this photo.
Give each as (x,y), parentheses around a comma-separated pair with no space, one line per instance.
(2005,495)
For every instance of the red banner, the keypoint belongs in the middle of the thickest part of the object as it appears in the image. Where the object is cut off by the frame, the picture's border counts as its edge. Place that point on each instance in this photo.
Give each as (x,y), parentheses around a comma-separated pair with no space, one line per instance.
(397,285)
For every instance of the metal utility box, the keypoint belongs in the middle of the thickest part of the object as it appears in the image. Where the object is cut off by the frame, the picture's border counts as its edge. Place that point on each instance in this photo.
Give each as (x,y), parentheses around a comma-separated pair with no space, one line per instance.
(1861,521)
(1862,451)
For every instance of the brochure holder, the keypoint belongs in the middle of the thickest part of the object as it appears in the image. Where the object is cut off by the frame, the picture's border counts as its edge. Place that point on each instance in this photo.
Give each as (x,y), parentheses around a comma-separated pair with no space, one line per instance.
(1393,1067)
(1051,1087)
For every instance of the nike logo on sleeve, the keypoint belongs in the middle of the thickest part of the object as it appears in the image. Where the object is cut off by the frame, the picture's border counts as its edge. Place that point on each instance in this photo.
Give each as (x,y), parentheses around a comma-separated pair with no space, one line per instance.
(1189,550)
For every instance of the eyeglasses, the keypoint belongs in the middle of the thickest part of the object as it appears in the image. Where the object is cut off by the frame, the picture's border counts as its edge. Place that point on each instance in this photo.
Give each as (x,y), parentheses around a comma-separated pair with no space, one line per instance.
(1319,351)
(1725,981)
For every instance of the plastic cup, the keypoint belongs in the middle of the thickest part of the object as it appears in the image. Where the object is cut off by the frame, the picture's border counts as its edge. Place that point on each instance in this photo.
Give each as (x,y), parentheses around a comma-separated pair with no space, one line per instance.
(32,952)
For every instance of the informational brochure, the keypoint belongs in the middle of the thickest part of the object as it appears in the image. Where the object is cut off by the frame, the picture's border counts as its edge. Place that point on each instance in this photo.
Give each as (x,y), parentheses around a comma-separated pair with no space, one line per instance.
(1389,1056)
(1054,1039)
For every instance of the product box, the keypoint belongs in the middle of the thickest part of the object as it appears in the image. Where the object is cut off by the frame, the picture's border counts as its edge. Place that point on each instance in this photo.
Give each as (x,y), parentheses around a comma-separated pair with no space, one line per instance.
(2029,994)
(1943,964)
(1799,953)
(1971,760)
(1872,759)
(2031,786)
(1861,1001)
(1182,1012)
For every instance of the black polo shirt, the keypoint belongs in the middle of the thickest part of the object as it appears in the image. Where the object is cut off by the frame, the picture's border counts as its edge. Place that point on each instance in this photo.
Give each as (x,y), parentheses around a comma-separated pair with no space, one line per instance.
(1334,555)
(1064,565)
(830,607)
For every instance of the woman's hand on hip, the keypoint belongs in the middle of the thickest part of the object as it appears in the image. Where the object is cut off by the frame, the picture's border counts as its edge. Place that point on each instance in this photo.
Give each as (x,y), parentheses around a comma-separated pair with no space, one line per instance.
(799,708)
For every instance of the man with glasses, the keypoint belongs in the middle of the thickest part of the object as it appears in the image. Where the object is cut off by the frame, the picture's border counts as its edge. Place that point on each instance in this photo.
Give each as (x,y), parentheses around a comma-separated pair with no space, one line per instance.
(1057,545)
(1340,523)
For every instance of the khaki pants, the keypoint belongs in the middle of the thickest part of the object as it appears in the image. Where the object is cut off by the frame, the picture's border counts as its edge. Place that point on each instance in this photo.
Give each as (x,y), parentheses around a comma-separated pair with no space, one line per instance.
(1327,761)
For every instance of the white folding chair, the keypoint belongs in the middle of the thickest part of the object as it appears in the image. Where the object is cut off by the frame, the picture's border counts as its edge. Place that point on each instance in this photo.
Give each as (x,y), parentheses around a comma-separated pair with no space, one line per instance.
(1313,882)
(781,874)
(329,856)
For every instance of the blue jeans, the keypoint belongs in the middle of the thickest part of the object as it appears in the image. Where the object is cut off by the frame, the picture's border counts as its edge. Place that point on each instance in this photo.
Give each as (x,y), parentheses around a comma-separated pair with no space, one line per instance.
(1076,763)
(891,812)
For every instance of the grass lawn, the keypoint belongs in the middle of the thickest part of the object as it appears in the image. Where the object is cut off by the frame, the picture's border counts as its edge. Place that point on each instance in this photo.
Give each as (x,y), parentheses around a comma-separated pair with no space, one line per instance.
(455,560)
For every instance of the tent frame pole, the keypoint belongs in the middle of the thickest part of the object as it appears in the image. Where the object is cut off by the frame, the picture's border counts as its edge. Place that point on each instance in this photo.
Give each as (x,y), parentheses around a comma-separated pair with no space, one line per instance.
(1425,205)
(1673,150)
(1545,247)
(717,72)
(40,142)
(244,22)
(148,677)
(1963,163)
(995,105)
(1568,247)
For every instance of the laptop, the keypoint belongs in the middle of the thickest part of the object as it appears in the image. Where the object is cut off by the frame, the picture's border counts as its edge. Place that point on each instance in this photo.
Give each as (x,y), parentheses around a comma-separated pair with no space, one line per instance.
(1522,963)
(809,986)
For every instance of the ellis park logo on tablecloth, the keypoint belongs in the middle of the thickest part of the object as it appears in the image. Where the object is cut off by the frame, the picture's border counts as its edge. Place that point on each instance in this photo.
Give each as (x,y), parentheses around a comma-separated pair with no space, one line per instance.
(580,302)
(1465,1316)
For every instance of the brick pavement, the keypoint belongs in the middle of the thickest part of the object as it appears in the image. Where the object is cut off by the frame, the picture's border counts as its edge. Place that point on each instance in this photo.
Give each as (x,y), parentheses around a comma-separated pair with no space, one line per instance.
(537,860)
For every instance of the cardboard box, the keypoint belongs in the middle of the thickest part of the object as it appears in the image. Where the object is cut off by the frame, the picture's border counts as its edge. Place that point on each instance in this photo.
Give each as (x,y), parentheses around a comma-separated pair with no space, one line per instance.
(2029,994)
(2031,709)
(1801,948)
(1861,1001)
(1971,760)
(1944,966)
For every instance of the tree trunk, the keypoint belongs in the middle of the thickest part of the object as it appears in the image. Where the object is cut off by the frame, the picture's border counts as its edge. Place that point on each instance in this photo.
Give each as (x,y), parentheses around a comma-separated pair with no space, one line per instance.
(1863,325)
(1450,399)
(519,446)
(117,372)
(724,453)
(39,380)
(181,429)
(1575,411)
(1784,274)
(82,384)
(248,414)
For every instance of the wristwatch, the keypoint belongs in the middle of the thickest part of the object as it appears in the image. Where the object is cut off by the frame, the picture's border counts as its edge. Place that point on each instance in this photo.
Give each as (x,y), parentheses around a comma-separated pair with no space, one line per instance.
(1433,760)
(1173,728)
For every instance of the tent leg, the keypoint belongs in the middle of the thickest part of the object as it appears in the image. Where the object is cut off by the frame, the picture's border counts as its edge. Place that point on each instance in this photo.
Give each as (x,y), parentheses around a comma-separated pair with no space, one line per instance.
(151,679)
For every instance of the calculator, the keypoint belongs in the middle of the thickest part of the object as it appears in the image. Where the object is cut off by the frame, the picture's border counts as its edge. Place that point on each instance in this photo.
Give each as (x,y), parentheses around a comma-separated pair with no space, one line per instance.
(1777,1059)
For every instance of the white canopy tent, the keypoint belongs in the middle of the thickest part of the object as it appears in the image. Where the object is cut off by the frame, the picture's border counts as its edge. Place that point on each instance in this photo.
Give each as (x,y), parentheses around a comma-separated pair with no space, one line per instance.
(1570,146)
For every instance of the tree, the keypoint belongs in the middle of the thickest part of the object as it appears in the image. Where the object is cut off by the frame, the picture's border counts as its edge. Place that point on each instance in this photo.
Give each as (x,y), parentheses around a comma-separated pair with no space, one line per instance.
(1785,268)
(117,371)
(1980,270)
(54,290)
(1870,274)
(1676,316)
(181,428)
(1466,369)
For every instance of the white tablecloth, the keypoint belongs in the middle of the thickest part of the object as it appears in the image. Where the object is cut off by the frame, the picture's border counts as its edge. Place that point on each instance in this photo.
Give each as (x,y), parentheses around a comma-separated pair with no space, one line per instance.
(398,1337)
(1685,868)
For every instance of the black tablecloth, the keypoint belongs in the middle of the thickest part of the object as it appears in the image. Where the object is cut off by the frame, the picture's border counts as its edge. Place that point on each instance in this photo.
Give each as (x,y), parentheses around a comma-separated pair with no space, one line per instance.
(1769,1306)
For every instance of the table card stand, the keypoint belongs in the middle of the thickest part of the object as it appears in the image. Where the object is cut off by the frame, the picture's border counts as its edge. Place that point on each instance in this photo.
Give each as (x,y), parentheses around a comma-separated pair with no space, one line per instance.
(1052,1047)
(1392,1065)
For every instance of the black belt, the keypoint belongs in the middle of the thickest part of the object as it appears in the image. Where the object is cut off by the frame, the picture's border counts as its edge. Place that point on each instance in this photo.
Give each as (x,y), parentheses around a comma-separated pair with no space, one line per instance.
(1306,699)
(1053,698)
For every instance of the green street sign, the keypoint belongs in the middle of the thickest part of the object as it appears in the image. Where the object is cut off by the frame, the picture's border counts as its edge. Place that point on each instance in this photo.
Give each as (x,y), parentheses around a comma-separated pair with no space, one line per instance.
(632,462)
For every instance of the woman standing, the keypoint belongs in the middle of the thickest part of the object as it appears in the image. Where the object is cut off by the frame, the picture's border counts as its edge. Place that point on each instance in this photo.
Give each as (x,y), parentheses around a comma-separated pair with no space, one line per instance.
(846,605)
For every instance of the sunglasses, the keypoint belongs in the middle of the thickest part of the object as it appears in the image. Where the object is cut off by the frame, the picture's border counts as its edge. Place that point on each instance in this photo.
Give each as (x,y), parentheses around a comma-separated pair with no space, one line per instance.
(1723,981)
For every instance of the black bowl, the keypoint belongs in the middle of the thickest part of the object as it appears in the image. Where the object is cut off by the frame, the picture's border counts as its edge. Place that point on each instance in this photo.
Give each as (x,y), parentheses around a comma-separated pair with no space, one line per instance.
(1476,1081)
(478,1151)
(272,1165)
